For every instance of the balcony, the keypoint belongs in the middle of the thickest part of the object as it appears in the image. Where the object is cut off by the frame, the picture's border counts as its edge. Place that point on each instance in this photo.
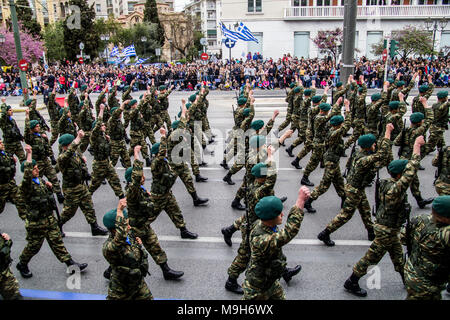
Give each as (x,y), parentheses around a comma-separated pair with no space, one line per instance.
(367,12)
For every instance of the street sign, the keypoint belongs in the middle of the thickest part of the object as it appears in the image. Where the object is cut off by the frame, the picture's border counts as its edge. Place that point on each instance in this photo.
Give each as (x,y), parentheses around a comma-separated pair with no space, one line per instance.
(79,56)
(23,65)
(81,45)
(87,56)
(229,43)
(80,60)
(203,41)
(384,54)
(204,56)
(158,51)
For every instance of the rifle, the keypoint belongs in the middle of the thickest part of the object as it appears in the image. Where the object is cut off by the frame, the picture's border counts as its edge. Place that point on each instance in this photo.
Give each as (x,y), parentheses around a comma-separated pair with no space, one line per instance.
(42,121)
(16,130)
(408,233)
(439,166)
(54,207)
(350,161)
(246,206)
(402,140)
(377,194)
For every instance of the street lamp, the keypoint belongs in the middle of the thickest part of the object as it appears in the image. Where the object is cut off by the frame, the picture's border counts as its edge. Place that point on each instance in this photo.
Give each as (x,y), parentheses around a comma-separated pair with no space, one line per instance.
(143,40)
(105,37)
(433,25)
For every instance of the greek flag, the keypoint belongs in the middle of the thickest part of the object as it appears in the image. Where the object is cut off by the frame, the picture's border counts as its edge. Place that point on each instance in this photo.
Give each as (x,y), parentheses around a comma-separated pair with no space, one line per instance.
(114,52)
(246,31)
(228,33)
(243,33)
(140,61)
(129,51)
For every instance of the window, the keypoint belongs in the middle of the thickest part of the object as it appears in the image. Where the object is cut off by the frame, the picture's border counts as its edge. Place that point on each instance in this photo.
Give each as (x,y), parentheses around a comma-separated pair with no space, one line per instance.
(253,46)
(373,37)
(445,1)
(301,44)
(375,2)
(98,7)
(297,3)
(254,5)
(323,2)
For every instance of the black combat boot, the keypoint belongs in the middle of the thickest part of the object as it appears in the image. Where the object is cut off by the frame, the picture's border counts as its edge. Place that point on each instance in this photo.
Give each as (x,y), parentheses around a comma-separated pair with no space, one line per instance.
(127,140)
(236,204)
(97,230)
(24,271)
(170,274)
(402,274)
(423,202)
(227,179)
(91,151)
(322,165)
(82,266)
(370,234)
(60,225)
(233,286)
(53,160)
(290,272)
(107,273)
(211,140)
(283,199)
(60,197)
(186,234)
(198,201)
(148,162)
(289,151)
(420,167)
(308,206)
(296,164)
(352,285)
(325,237)
(225,165)
(199,178)
(305,181)
(342,201)
(228,233)
(104,181)
(203,164)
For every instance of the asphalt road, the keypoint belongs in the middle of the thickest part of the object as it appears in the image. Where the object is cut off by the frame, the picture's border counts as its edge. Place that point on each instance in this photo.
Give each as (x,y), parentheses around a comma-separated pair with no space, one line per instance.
(205,260)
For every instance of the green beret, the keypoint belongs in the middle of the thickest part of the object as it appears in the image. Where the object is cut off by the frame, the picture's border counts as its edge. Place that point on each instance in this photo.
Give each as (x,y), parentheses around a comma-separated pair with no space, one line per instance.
(268,208)
(307,92)
(22,166)
(360,89)
(113,109)
(257,124)
(297,90)
(246,112)
(339,84)
(242,101)
(416,117)
(400,84)
(83,87)
(28,102)
(128,174)
(132,102)
(140,97)
(257,141)
(423,88)
(175,124)
(94,123)
(192,98)
(397,166)
(179,114)
(393,105)
(109,219)
(441,205)
(376,96)
(442,94)
(61,111)
(324,106)
(292,85)
(188,105)
(390,80)
(259,170)
(162,87)
(66,139)
(155,148)
(366,141)
(81,104)
(8,107)
(316,99)
(336,120)
(33,124)
(125,88)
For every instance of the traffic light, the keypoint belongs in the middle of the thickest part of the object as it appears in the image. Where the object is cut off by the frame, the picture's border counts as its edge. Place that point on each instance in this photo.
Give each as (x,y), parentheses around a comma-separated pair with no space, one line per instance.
(393,48)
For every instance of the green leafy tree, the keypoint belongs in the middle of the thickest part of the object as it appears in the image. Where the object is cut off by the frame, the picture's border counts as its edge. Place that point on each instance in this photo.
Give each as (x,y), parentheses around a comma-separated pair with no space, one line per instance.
(85,31)
(107,27)
(125,37)
(25,16)
(151,16)
(54,41)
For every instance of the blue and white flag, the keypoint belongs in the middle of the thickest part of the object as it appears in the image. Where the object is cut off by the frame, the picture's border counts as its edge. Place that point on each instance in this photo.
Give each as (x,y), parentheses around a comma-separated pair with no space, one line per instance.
(114,52)
(129,51)
(140,61)
(228,33)
(246,31)
(243,33)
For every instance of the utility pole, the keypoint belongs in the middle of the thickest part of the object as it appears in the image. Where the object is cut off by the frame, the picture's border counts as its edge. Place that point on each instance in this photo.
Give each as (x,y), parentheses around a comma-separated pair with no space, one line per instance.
(23,77)
(350,10)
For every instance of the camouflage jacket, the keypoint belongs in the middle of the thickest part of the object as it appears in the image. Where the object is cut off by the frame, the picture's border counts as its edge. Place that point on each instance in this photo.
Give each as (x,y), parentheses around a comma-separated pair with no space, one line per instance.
(106,113)
(5,254)
(163,100)
(445,170)
(136,121)
(340,93)
(73,102)
(373,113)
(115,127)
(163,177)
(360,104)
(66,125)
(405,91)
(396,120)
(417,106)
(99,142)
(290,99)
(11,132)
(35,115)
(127,94)
(321,122)
(179,135)
(86,118)
(334,141)
(40,146)
(7,167)
(441,110)
(72,166)
(53,108)
(112,100)
(297,105)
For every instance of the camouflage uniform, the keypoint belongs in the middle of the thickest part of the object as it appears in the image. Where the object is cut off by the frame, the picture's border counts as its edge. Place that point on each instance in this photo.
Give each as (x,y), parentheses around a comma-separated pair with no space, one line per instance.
(297,105)
(106,113)
(66,125)
(8,187)
(287,121)
(53,111)
(127,111)
(302,126)
(129,265)
(147,114)
(112,100)
(416,105)
(442,184)
(396,120)
(74,105)
(101,167)
(358,116)
(428,267)
(116,132)
(35,115)
(140,210)
(136,132)
(86,120)
(163,105)
(9,286)
(205,122)
(12,137)
(438,127)
(231,148)
(267,261)
(405,91)
(392,213)
(195,116)
(373,114)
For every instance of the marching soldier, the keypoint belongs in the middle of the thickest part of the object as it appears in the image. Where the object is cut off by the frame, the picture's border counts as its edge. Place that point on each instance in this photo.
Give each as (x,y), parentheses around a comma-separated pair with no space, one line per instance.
(11,134)
(126,95)
(425,90)
(102,100)
(440,122)
(117,134)
(136,131)
(442,161)
(74,102)
(373,111)
(296,117)
(9,286)
(53,112)
(86,119)
(289,99)
(401,89)
(147,115)
(358,114)
(163,105)
(34,113)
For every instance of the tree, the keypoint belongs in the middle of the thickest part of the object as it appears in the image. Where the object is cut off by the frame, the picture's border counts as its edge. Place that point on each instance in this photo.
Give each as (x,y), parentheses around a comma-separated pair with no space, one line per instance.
(32,47)
(25,16)
(179,29)
(328,41)
(85,32)
(125,37)
(54,41)
(107,27)
(151,16)
(196,46)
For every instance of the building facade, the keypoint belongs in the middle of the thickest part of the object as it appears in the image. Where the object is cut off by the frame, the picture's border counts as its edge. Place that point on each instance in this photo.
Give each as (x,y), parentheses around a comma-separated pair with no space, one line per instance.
(288,26)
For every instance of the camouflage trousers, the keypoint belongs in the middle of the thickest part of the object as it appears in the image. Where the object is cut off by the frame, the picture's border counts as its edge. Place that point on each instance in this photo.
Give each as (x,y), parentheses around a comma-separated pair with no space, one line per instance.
(35,239)
(126,118)
(306,148)
(16,149)
(85,141)
(75,197)
(275,292)
(371,128)
(386,240)
(156,122)
(415,186)
(285,123)
(9,191)
(196,154)
(165,117)
(316,158)
(148,132)
(436,137)
(442,188)
(46,169)
(9,286)
(354,199)
(55,132)
(295,123)
(119,150)
(236,148)
(168,203)
(182,171)
(358,130)
(102,170)
(118,291)
(240,262)
(301,136)
(150,242)
(206,127)
(418,287)
(137,139)
(332,174)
